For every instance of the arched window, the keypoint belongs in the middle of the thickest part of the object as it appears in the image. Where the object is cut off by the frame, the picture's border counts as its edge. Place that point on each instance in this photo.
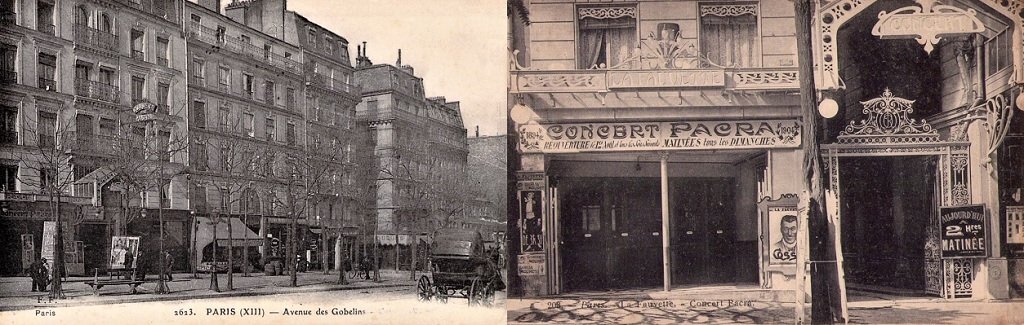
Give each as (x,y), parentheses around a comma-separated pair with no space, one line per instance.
(105,23)
(81,16)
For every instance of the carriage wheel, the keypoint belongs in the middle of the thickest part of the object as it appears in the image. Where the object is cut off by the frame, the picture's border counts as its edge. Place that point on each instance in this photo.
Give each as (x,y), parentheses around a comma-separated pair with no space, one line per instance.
(472,294)
(423,289)
(486,296)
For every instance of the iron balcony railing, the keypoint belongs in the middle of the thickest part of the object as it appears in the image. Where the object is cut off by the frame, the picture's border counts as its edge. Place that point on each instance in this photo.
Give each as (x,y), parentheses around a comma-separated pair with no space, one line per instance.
(95,38)
(235,44)
(48,84)
(8,76)
(96,90)
(162,62)
(8,17)
(95,143)
(138,55)
(334,84)
(155,7)
(46,28)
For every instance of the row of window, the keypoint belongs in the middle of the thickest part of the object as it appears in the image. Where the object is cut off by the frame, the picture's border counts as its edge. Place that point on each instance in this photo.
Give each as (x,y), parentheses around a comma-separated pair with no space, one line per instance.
(247,84)
(245,123)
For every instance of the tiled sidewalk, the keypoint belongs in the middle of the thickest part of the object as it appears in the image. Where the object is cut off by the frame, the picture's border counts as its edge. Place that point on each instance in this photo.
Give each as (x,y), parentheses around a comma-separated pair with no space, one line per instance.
(15,292)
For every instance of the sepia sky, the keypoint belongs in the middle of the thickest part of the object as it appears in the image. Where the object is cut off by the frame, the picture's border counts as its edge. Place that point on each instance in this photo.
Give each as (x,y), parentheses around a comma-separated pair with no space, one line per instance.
(456,46)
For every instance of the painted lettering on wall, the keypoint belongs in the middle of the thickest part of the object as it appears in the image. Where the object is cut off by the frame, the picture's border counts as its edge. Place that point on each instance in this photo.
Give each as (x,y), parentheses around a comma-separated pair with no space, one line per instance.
(583,137)
(667,78)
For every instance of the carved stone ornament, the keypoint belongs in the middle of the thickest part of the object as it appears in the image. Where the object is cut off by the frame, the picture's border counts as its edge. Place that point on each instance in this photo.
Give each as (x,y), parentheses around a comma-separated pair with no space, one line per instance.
(927,23)
(888,116)
(728,10)
(607,12)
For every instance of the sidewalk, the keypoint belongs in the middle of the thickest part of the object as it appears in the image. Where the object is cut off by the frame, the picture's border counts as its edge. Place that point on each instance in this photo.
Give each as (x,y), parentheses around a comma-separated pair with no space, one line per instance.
(16,294)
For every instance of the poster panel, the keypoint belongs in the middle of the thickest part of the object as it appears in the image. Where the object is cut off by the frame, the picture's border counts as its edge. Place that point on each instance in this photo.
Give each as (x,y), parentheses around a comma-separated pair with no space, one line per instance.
(531,226)
(782,229)
(963,231)
(531,264)
(124,252)
(28,250)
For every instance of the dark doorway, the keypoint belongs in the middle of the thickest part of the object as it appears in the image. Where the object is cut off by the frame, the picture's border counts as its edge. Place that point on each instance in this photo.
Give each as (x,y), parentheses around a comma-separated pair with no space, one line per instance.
(610,229)
(702,230)
(886,206)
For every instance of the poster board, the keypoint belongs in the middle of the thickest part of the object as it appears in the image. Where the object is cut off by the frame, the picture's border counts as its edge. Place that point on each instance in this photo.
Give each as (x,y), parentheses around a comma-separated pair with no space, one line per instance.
(962,231)
(28,250)
(531,225)
(124,253)
(779,224)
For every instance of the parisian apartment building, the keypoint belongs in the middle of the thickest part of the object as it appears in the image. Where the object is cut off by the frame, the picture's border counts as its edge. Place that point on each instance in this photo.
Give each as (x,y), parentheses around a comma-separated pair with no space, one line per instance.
(421,150)
(203,114)
(658,144)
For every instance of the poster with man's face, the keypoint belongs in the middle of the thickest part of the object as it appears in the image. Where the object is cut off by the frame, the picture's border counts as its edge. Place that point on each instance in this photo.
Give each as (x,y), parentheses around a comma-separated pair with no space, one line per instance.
(782,228)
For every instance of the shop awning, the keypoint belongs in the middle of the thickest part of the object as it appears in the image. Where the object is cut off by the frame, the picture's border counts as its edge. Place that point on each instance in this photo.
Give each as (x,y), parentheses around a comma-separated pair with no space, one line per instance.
(239,233)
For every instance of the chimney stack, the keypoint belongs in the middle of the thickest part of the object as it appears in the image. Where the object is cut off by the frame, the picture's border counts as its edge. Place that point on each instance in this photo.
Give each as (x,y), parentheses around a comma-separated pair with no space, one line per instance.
(477,131)
(361,60)
(398,63)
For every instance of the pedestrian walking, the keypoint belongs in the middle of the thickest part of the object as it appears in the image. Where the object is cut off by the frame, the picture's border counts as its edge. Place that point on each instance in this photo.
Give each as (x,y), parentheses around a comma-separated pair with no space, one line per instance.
(168,262)
(364,267)
(40,275)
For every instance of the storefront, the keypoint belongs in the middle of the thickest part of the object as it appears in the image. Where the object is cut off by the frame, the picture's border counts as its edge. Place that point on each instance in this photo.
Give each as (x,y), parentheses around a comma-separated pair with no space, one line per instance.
(919,114)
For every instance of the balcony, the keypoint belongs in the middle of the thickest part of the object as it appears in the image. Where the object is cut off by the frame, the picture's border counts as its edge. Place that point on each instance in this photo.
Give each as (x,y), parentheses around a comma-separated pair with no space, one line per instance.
(47,84)
(153,7)
(89,143)
(162,62)
(46,28)
(334,84)
(8,77)
(138,55)
(234,44)
(8,137)
(659,65)
(96,90)
(197,80)
(95,38)
(8,17)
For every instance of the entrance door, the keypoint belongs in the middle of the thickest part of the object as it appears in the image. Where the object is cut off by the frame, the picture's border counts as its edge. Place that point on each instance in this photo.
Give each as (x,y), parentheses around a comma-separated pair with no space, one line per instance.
(610,233)
(702,230)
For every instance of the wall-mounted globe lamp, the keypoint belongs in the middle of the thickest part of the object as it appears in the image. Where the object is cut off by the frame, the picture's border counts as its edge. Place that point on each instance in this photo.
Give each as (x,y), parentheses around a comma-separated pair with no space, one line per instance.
(828,108)
(1020,101)
(520,113)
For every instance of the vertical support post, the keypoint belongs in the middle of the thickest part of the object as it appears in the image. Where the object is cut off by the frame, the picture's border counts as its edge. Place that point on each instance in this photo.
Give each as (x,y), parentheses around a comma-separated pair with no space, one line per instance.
(665,248)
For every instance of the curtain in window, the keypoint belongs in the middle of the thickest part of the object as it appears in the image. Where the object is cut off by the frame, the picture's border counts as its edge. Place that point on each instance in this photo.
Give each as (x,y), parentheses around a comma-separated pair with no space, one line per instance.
(605,42)
(731,40)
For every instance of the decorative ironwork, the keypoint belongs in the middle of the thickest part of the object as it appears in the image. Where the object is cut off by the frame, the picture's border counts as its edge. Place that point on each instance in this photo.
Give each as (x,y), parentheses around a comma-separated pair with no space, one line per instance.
(920,23)
(959,274)
(832,16)
(995,115)
(888,122)
(728,10)
(607,12)
(959,177)
(747,79)
(565,81)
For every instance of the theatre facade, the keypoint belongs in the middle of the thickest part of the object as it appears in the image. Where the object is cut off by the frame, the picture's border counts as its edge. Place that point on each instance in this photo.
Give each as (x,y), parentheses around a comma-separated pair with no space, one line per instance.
(659,145)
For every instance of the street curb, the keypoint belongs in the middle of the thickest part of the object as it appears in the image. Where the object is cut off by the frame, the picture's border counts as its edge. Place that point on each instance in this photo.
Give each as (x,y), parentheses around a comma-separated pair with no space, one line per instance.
(158,297)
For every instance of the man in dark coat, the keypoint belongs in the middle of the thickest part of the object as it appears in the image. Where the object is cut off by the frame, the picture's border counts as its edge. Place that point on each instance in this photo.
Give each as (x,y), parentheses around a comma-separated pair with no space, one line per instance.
(39,273)
(168,262)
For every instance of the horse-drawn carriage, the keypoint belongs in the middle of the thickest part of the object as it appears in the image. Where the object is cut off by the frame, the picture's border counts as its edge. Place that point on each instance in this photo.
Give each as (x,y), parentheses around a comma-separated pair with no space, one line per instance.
(461,268)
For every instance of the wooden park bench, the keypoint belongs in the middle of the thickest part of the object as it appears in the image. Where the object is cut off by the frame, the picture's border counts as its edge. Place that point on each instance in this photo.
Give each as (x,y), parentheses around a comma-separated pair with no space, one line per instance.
(96,283)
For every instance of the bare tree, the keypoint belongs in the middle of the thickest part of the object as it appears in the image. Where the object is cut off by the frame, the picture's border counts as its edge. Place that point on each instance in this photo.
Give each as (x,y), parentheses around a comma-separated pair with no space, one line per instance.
(146,153)
(48,162)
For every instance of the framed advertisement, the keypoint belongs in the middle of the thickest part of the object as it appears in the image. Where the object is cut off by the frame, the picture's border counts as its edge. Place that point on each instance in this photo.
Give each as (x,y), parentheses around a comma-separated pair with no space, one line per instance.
(28,250)
(779,224)
(962,231)
(124,252)
(531,225)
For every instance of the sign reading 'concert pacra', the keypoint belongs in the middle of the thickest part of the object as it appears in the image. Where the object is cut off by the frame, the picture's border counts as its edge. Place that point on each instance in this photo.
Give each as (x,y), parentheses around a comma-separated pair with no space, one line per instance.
(676,135)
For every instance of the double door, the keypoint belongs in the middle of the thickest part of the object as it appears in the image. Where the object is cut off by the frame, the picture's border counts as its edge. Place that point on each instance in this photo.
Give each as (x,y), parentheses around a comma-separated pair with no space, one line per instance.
(703,230)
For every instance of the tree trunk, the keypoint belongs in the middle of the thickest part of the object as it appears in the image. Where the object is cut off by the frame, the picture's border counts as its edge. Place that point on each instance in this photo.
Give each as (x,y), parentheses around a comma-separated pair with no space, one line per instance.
(293,248)
(376,260)
(826,306)
(231,253)
(245,245)
(56,289)
(213,273)
(161,286)
(412,265)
